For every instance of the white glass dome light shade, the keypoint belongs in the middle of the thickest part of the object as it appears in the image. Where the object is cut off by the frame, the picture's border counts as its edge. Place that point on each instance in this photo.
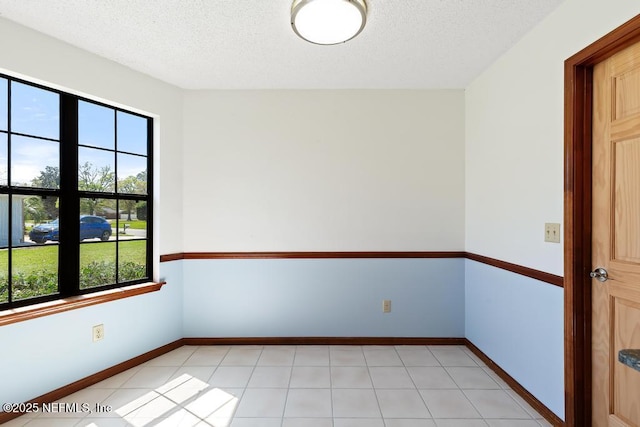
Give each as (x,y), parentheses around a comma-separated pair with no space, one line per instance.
(328,21)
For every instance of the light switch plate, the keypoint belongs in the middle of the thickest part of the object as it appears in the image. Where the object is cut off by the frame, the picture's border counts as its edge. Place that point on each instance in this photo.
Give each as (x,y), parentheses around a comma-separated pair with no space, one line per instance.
(552,232)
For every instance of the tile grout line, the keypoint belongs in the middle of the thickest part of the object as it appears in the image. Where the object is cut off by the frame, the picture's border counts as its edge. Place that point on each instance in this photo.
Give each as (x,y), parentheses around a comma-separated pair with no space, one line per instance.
(414,383)
(286,399)
(375,392)
(218,365)
(369,363)
(198,394)
(333,411)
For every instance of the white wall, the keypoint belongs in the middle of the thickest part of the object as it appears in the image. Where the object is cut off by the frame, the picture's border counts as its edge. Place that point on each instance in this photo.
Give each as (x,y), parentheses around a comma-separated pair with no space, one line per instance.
(39,58)
(324,170)
(46,353)
(514,136)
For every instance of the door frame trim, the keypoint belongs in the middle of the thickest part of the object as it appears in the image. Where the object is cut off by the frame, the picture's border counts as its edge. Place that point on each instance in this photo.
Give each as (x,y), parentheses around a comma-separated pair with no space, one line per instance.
(578,83)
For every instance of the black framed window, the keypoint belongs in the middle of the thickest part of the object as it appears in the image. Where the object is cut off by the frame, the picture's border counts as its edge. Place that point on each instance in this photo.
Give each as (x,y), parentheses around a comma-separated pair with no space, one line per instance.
(75,195)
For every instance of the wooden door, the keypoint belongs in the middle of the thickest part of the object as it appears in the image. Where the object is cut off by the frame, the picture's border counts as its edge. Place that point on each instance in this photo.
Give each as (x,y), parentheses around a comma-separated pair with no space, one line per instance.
(616,237)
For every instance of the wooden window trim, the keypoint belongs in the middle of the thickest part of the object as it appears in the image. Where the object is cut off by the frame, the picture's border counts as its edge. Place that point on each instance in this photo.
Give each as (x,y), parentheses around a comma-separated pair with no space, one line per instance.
(30,312)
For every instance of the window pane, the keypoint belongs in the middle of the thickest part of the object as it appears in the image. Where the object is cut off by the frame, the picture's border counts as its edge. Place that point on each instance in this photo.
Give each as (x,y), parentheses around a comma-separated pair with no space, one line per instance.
(96,125)
(35,111)
(133,220)
(132,260)
(97,264)
(33,161)
(132,133)
(4,168)
(94,228)
(100,207)
(4,275)
(20,225)
(34,271)
(132,174)
(4,104)
(39,218)
(96,219)
(96,170)
(4,220)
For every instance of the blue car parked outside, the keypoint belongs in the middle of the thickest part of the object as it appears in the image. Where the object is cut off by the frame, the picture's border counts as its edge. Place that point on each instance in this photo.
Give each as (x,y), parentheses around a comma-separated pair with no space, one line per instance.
(91,227)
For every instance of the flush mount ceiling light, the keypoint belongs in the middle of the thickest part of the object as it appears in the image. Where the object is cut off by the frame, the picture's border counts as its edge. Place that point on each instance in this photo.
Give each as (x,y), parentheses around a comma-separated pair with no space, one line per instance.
(328,21)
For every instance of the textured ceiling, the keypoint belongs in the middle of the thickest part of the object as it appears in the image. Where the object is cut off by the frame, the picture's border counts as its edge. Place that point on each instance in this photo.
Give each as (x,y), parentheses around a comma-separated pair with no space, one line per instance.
(249,44)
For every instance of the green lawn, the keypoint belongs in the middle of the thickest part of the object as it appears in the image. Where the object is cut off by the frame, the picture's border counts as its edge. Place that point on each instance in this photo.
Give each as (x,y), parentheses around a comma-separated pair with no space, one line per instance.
(35,268)
(137,224)
(32,259)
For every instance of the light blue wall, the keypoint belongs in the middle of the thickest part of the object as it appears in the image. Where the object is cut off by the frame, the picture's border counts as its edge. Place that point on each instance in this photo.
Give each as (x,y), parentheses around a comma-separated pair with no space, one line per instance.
(41,355)
(515,320)
(518,322)
(323,297)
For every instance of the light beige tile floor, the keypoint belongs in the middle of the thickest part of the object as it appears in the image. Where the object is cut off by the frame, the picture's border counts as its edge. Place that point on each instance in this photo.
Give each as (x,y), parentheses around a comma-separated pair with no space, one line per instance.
(301,386)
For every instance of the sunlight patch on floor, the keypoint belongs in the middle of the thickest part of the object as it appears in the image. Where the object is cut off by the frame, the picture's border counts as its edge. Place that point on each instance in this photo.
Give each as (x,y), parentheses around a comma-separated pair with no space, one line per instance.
(183,401)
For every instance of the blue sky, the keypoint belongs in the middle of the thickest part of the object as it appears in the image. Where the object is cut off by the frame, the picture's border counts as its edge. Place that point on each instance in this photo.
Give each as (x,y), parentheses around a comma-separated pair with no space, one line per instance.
(36,112)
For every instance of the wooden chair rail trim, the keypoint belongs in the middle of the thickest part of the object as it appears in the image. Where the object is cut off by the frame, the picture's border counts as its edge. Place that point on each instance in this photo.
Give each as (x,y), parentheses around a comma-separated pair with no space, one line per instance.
(311,255)
(514,268)
(542,276)
(29,312)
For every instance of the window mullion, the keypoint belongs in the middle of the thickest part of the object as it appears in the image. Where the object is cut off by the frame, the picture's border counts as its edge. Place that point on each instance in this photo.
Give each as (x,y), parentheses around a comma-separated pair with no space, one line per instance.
(9,252)
(150,171)
(69,270)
